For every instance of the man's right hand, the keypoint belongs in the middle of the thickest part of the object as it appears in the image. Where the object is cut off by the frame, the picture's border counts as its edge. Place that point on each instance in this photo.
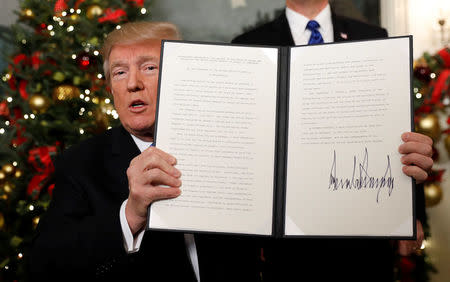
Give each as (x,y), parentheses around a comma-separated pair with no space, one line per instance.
(147,174)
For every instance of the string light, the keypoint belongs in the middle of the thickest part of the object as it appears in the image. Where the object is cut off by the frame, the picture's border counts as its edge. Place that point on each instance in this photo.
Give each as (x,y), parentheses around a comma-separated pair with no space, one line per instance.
(424,244)
(64,13)
(61,23)
(24,41)
(74,56)
(31,207)
(72,10)
(25,116)
(87,91)
(7,122)
(118,27)
(433,75)
(419,95)
(78,11)
(70,28)
(55,18)
(14,163)
(107,101)
(20,255)
(9,99)
(2,130)
(81,96)
(87,99)
(96,53)
(99,76)
(109,127)
(52,33)
(81,131)
(143,11)
(49,27)
(32,116)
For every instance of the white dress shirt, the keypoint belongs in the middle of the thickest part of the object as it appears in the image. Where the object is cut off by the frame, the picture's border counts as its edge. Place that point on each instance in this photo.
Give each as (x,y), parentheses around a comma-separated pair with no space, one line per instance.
(132,244)
(297,24)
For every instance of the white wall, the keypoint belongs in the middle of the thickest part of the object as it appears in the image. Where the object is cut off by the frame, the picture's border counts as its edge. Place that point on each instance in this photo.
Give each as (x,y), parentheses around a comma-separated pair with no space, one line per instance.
(7,7)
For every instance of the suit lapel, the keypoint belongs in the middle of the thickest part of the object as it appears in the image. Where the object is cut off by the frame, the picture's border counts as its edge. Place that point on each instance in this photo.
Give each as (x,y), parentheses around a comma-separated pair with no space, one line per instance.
(340,32)
(283,31)
(118,158)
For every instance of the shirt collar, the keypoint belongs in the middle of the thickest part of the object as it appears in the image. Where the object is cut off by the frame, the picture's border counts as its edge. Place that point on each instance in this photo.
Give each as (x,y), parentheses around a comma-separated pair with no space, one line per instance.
(298,22)
(142,145)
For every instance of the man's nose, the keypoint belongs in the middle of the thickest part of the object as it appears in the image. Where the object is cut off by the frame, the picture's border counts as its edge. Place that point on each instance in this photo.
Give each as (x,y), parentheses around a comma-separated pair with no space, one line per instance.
(135,82)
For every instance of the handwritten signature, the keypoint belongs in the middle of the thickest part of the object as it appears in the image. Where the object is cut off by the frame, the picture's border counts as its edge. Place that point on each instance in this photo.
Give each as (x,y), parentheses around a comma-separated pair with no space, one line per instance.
(364,181)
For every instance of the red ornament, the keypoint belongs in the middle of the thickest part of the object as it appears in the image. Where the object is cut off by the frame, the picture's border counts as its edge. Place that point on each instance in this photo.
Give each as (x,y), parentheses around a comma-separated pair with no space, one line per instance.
(84,61)
(444,56)
(41,159)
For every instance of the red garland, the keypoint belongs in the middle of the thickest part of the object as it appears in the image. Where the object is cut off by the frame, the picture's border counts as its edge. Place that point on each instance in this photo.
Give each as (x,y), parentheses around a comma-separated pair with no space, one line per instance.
(113,15)
(445,56)
(40,159)
(60,6)
(435,175)
(139,3)
(440,86)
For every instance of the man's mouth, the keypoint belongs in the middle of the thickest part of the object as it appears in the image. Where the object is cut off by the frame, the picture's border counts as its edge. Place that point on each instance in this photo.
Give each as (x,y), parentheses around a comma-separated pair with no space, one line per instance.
(138,104)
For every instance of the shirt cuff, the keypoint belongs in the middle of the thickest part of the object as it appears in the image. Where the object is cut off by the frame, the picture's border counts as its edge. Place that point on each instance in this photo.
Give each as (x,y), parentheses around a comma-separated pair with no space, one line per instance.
(131,243)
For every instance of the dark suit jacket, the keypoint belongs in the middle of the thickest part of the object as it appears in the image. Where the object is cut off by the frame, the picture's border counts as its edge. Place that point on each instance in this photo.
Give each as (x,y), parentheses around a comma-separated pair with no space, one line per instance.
(325,259)
(80,237)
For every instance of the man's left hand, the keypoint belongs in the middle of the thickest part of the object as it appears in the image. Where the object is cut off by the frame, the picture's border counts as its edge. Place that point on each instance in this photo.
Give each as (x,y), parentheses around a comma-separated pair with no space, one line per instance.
(407,247)
(417,151)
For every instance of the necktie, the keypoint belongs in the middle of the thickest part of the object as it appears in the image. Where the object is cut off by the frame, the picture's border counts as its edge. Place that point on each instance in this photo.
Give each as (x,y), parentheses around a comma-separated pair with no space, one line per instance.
(316,37)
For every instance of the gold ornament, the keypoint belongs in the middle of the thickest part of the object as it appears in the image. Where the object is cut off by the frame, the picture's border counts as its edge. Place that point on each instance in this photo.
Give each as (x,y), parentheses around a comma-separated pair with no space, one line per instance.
(27,14)
(433,194)
(2,176)
(35,221)
(2,221)
(8,187)
(65,92)
(4,197)
(18,173)
(94,11)
(429,125)
(74,17)
(447,143)
(8,169)
(39,103)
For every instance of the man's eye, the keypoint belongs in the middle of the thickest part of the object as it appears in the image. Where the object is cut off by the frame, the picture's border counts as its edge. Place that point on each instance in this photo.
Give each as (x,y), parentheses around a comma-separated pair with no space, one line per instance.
(151,68)
(119,73)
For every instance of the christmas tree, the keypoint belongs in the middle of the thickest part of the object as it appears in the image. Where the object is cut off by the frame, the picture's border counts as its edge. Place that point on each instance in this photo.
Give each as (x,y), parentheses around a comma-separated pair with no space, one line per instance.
(431,86)
(53,94)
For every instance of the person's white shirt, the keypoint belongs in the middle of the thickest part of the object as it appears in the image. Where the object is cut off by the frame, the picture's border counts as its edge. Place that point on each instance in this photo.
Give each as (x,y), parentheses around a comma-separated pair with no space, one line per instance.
(132,244)
(297,24)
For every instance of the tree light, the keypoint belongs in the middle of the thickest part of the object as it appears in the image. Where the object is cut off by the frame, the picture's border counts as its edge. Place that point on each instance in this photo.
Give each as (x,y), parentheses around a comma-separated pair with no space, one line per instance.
(2,130)
(31,207)
(81,131)
(9,99)
(143,11)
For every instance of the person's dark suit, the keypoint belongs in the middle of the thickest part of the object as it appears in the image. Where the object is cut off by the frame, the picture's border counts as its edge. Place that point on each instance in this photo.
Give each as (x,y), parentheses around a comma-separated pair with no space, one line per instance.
(325,259)
(80,237)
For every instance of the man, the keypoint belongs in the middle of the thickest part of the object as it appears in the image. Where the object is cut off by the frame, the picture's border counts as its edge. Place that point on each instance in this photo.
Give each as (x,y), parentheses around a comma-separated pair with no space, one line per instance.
(94,228)
(312,22)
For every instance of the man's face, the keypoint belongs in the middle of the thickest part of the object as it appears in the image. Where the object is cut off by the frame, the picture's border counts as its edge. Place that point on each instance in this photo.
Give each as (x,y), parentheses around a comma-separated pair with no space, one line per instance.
(134,81)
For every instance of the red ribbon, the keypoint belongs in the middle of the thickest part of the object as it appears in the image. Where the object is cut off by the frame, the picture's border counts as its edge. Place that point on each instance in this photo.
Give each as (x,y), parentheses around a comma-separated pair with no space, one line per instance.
(22,89)
(40,159)
(139,3)
(60,6)
(112,15)
(445,56)
(440,86)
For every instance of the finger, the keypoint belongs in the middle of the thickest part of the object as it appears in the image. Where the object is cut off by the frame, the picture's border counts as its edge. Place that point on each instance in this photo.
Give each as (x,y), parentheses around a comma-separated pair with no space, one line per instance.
(161,193)
(419,160)
(158,177)
(417,137)
(152,161)
(404,248)
(167,157)
(416,147)
(415,172)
